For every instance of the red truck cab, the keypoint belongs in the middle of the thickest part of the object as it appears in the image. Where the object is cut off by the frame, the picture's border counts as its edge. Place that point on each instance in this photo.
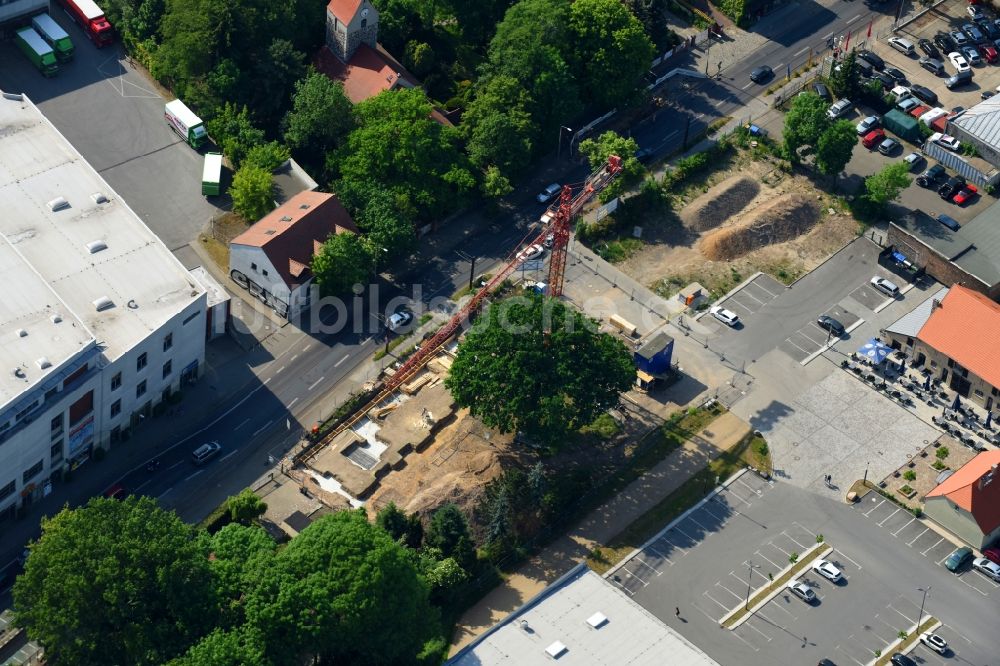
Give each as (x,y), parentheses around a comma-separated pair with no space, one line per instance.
(91,18)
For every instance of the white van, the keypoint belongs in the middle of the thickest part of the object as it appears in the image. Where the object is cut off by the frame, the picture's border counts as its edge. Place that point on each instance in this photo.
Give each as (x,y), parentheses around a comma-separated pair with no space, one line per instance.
(902,45)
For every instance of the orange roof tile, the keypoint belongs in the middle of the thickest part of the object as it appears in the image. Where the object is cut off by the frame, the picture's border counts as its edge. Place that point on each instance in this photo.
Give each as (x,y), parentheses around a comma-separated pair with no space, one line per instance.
(965,490)
(966,329)
(368,72)
(344,9)
(290,233)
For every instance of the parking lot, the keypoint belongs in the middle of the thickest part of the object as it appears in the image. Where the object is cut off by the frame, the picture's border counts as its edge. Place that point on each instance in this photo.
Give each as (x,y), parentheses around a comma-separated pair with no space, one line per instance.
(806,342)
(704,564)
(872,298)
(113,115)
(913,534)
(754,295)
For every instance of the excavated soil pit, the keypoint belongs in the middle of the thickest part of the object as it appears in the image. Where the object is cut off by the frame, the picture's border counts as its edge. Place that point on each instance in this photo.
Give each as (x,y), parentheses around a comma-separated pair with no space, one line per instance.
(720,203)
(786,218)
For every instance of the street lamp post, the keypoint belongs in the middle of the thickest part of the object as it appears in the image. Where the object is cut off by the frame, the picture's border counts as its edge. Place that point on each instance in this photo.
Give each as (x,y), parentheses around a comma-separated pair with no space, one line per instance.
(920,618)
(563,128)
(865,481)
(750,567)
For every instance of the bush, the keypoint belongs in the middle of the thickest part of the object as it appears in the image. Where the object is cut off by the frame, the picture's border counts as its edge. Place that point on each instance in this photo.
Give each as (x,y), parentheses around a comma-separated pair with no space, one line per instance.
(909,475)
(942,452)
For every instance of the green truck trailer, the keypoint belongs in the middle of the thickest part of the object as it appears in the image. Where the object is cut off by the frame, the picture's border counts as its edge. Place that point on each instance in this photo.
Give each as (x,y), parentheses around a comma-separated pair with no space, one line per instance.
(37,51)
(54,36)
(211,175)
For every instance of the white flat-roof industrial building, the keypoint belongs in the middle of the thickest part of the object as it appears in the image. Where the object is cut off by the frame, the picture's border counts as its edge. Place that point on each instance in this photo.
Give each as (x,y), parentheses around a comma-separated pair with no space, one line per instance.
(581,619)
(99,321)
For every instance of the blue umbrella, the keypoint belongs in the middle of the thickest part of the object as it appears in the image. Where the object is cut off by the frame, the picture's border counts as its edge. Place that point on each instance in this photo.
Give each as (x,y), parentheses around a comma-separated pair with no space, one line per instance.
(989,420)
(957,404)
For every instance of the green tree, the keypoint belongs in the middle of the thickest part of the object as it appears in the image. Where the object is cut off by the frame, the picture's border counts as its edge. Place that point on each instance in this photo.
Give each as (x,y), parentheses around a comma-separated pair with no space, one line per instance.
(736,10)
(844,80)
(389,231)
(275,78)
(268,156)
(239,553)
(242,646)
(835,146)
(610,50)
(319,119)
(252,192)
(116,583)
(405,529)
(397,144)
(419,58)
(610,143)
(539,366)
(495,184)
(448,532)
(499,128)
(245,507)
(885,186)
(343,592)
(398,22)
(651,13)
(805,121)
(233,130)
(343,261)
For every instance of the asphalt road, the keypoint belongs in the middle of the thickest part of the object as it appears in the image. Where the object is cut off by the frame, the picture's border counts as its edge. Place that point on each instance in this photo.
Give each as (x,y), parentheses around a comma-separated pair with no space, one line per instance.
(702,567)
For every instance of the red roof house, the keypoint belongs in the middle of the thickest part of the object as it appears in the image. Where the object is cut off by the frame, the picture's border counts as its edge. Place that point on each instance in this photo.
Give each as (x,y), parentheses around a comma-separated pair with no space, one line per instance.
(967,503)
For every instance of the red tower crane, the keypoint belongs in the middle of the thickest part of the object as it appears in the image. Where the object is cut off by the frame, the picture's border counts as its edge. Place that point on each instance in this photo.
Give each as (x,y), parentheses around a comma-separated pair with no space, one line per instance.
(569,206)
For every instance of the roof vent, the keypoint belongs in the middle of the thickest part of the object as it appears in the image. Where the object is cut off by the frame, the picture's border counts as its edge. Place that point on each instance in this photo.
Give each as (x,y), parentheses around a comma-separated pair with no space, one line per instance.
(286,218)
(556,650)
(56,318)
(57,204)
(132,305)
(103,303)
(270,232)
(96,246)
(19,373)
(303,206)
(43,363)
(98,198)
(597,620)
(21,333)
(526,627)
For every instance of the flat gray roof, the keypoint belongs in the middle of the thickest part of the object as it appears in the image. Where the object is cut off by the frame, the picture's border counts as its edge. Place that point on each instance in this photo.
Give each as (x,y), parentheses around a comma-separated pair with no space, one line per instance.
(584,620)
(111,272)
(982,121)
(975,247)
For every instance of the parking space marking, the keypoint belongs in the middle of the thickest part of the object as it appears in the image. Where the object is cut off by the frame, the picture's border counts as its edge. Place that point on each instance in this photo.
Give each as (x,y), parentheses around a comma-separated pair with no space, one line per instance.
(738,597)
(896,533)
(786,552)
(764,557)
(755,491)
(889,516)
(849,656)
(750,625)
(678,528)
(631,574)
(935,543)
(902,615)
(719,603)
(643,562)
(910,543)
(691,518)
(803,528)
(662,556)
(722,517)
(666,540)
(848,557)
(748,643)
(793,540)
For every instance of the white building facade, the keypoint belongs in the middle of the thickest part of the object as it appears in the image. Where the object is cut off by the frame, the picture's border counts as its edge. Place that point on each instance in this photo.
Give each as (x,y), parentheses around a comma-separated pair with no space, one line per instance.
(100,322)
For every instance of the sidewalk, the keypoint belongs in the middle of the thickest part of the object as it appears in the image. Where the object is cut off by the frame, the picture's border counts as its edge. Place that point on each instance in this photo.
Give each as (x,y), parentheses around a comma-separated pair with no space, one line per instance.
(599,527)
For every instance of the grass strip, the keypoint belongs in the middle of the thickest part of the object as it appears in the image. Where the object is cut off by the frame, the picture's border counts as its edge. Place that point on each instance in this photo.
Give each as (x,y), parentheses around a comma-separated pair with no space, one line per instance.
(777,583)
(904,645)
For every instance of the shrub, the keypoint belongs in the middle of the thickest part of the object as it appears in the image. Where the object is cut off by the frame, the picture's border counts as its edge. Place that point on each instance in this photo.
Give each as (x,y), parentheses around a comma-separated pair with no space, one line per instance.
(942,452)
(906,490)
(909,475)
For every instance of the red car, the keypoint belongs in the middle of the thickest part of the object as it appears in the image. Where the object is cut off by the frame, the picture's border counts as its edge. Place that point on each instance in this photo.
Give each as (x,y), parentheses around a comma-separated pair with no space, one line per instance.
(992,554)
(966,193)
(116,491)
(989,53)
(873,138)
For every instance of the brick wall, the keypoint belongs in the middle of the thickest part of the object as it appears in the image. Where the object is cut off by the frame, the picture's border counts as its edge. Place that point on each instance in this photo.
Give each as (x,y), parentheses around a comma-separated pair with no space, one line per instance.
(939,268)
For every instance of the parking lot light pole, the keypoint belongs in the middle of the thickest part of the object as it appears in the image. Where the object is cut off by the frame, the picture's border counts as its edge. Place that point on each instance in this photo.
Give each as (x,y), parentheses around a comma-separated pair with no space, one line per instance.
(750,567)
(920,618)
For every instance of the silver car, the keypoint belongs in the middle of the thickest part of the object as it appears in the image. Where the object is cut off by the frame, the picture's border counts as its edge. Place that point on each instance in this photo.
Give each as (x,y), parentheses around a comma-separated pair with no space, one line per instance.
(867,125)
(802,591)
(887,287)
(987,568)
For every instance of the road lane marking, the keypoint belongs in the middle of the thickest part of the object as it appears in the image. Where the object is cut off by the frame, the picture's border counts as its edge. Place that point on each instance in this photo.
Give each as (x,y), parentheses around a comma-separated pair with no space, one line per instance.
(294,357)
(230,454)
(896,533)
(850,21)
(918,536)
(346,356)
(316,383)
(263,427)
(828,36)
(186,479)
(747,86)
(280,370)
(292,403)
(803,50)
(245,421)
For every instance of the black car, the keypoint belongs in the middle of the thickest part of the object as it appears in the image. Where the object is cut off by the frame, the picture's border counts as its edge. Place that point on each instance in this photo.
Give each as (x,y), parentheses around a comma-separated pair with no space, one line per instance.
(949,221)
(900,659)
(987,94)
(929,49)
(644,155)
(887,81)
(873,59)
(896,74)
(761,74)
(950,186)
(931,177)
(945,42)
(989,28)
(925,95)
(821,90)
(828,323)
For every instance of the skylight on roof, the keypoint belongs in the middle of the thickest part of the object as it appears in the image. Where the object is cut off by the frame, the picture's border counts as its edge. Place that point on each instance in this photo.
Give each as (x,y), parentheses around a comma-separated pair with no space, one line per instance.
(597,620)
(556,650)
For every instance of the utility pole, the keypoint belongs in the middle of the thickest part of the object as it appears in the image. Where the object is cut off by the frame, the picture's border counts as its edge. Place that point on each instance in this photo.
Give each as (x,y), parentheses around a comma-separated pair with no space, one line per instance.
(563,128)
(750,568)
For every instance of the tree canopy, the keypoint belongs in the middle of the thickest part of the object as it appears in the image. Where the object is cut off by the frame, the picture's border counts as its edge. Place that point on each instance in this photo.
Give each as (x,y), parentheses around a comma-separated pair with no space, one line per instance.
(252,192)
(885,185)
(835,147)
(805,121)
(344,591)
(116,582)
(610,143)
(319,119)
(343,261)
(397,144)
(536,365)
